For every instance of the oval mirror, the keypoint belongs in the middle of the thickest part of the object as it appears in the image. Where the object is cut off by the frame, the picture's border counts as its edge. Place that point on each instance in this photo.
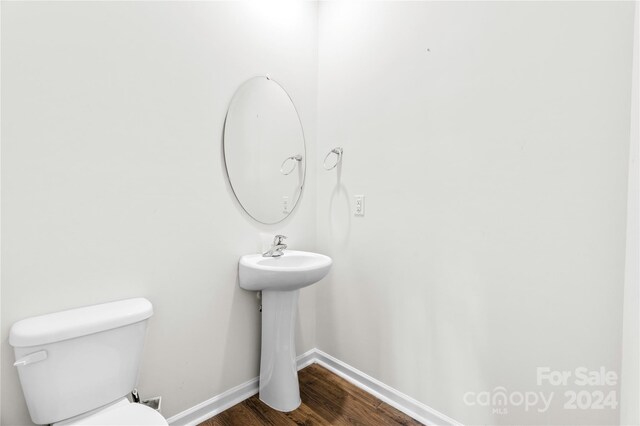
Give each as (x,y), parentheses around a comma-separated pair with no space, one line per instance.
(264,150)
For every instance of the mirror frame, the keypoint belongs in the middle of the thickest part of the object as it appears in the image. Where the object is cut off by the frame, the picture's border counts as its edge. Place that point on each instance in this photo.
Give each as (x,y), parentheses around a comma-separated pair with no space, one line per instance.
(304,147)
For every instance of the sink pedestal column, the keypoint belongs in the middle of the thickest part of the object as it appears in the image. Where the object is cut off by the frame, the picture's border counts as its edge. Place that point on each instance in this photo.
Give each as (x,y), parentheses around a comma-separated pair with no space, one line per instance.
(279,387)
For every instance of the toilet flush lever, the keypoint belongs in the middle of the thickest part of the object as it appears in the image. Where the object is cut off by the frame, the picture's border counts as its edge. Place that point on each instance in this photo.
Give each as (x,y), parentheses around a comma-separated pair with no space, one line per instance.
(31,358)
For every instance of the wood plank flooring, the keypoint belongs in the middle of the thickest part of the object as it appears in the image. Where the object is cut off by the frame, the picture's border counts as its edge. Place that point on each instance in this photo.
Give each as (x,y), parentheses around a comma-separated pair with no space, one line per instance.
(326,400)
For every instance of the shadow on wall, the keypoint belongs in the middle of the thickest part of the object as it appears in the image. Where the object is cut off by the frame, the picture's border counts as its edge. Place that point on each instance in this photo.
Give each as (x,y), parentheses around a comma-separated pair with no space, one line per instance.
(339,207)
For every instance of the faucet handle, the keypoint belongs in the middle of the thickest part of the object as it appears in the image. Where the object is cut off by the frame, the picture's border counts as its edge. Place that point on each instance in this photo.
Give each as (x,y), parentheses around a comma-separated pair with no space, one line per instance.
(278,239)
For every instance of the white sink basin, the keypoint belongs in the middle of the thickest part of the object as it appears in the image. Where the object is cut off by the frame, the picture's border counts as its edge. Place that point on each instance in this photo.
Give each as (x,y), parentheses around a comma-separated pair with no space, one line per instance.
(280,280)
(291,271)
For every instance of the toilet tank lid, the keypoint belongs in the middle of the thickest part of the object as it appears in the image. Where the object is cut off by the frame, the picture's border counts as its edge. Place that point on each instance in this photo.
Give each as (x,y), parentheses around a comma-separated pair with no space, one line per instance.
(78,322)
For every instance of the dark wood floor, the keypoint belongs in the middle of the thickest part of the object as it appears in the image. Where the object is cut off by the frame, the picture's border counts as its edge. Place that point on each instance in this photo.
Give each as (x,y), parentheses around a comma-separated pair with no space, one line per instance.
(326,400)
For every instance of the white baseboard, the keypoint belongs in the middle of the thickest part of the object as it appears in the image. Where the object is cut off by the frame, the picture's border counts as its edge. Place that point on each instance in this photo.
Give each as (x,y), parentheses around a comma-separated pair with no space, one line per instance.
(306,359)
(216,405)
(209,408)
(398,400)
(415,409)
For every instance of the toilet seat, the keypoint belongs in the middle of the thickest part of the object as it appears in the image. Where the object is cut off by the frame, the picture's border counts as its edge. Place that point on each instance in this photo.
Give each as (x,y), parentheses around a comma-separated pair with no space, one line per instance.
(123,414)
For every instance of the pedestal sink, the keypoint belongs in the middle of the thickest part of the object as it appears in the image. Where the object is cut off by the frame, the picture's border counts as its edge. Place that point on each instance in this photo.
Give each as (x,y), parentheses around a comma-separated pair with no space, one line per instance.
(280,280)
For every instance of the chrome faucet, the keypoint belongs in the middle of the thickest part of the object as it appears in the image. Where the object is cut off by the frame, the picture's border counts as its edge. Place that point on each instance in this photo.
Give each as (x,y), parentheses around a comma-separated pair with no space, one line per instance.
(277,247)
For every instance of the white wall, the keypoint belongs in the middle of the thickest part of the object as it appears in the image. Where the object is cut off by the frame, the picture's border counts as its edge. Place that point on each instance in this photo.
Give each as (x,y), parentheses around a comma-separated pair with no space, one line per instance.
(630,385)
(112,181)
(494,168)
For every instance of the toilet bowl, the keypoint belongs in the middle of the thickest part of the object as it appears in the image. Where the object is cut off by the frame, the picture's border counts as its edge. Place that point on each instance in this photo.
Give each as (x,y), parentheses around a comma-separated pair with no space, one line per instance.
(122,413)
(76,367)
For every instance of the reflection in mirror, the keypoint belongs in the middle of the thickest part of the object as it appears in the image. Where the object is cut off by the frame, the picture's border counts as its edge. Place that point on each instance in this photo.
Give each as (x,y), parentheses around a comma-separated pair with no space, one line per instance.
(264,150)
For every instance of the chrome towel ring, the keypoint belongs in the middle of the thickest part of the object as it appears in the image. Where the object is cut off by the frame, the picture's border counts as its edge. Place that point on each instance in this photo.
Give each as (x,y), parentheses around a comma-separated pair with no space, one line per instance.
(297,158)
(338,152)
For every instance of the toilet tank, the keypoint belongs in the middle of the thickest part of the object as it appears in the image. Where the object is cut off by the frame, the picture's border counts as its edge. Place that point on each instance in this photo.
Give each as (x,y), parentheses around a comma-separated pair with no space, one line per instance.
(75,361)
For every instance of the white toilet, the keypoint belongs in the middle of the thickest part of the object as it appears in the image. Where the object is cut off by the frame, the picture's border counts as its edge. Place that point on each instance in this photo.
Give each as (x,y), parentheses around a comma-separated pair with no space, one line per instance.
(76,367)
